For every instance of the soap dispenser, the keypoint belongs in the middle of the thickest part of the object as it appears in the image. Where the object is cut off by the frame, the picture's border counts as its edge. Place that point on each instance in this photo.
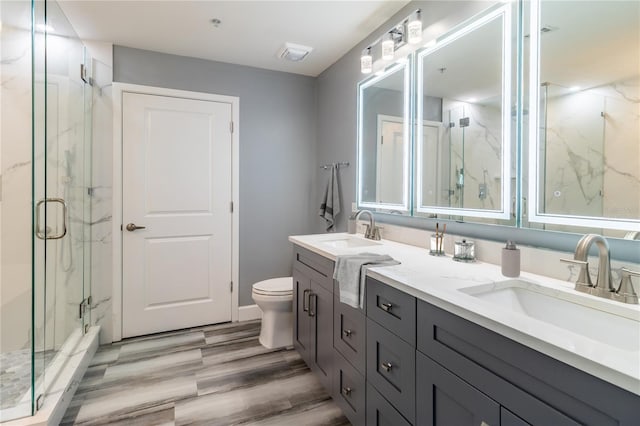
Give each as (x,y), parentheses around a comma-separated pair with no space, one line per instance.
(511,260)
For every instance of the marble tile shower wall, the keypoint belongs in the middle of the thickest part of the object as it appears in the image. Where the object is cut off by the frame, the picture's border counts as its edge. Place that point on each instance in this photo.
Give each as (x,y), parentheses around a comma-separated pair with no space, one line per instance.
(592,152)
(15,196)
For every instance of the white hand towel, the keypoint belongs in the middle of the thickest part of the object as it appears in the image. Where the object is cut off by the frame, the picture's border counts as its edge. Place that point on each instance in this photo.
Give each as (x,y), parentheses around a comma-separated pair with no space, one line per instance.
(330,204)
(350,272)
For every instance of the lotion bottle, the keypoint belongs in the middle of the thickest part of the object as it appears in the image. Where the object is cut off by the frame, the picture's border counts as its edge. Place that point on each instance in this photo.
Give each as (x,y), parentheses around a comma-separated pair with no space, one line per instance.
(511,260)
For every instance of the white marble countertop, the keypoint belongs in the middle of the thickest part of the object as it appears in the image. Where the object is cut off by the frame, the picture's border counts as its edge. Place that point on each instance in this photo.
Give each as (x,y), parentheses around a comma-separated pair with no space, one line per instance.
(437,280)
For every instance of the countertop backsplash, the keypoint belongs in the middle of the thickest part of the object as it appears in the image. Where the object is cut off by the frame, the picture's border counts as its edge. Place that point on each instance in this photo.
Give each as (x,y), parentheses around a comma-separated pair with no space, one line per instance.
(535,260)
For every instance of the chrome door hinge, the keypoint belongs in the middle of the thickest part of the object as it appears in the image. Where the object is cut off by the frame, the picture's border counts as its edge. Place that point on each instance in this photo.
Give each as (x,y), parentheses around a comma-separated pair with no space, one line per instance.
(83,306)
(231,287)
(83,75)
(231,126)
(231,206)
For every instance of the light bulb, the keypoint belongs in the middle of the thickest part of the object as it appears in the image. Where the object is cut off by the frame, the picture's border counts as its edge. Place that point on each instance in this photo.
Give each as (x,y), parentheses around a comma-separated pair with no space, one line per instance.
(388,47)
(414,28)
(366,61)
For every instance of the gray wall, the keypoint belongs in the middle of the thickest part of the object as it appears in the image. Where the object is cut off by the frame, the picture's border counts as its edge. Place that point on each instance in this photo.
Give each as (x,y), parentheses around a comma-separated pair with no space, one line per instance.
(277,142)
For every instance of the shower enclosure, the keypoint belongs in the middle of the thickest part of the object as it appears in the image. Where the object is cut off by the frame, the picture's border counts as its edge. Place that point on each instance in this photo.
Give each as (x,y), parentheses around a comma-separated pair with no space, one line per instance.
(45,164)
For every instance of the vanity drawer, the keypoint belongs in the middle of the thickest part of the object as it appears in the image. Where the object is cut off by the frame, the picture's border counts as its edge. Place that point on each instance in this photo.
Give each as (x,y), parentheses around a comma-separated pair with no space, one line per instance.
(393,309)
(391,368)
(314,266)
(349,333)
(380,412)
(349,390)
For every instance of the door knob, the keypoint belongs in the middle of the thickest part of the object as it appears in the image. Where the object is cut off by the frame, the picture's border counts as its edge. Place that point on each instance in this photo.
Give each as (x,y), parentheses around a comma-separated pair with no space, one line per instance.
(132,227)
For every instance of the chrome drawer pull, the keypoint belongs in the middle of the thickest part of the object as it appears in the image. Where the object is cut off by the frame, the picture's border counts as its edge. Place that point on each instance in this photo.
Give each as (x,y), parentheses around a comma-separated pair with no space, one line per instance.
(346,391)
(347,333)
(386,306)
(387,366)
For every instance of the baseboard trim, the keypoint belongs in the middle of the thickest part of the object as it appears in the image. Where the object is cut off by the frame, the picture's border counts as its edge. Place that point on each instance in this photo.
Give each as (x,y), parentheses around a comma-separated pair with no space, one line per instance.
(249,312)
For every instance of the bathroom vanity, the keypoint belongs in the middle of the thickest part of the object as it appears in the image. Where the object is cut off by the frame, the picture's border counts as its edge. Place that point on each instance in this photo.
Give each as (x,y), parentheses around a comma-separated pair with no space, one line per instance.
(428,348)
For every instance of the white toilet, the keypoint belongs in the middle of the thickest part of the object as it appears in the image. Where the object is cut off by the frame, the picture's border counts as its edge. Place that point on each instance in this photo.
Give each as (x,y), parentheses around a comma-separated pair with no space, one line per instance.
(275,298)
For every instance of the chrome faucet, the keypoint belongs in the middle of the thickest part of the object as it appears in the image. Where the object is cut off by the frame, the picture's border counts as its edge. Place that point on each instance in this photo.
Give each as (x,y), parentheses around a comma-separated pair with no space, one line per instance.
(604,283)
(372,232)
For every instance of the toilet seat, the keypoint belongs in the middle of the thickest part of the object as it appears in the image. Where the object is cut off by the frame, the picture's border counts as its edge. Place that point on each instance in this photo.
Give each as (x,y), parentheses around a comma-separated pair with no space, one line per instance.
(274,287)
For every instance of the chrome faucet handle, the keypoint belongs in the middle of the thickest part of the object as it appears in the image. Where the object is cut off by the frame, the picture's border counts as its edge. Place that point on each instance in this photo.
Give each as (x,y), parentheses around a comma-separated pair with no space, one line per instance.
(372,234)
(626,293)
(583,283)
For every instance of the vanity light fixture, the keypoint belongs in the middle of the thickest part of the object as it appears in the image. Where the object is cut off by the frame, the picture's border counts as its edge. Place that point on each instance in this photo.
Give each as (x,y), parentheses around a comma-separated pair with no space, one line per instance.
(407,31)
(388,46)
(414,28)
(366,61)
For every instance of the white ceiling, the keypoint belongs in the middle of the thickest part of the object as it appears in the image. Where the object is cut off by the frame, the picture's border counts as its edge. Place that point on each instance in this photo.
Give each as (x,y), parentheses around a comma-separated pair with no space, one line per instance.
(250,34)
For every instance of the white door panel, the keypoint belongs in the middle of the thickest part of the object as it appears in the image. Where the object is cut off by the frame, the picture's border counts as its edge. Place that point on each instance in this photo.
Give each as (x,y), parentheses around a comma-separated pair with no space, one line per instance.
(177,184)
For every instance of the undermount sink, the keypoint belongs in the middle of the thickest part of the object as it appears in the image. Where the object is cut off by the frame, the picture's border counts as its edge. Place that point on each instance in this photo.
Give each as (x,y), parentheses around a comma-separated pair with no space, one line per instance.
(350,242)
(575,312)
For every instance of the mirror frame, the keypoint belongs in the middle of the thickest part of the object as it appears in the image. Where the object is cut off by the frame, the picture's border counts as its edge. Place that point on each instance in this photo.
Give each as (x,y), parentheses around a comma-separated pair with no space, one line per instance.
(534,213)
(504,12)
(405,206)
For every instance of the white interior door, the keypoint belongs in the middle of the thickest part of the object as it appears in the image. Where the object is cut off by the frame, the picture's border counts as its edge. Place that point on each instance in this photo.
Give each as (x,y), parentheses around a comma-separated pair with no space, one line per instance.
(177,185)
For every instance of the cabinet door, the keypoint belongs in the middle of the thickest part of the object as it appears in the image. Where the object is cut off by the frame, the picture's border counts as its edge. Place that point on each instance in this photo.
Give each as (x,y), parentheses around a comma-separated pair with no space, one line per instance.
(349,390)
(321,313)
(443,399)
(380,412)
(301,319)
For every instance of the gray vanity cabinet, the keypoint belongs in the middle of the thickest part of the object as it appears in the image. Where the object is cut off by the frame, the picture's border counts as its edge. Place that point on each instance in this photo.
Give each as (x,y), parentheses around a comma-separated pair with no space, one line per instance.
(313,313)
(403,362)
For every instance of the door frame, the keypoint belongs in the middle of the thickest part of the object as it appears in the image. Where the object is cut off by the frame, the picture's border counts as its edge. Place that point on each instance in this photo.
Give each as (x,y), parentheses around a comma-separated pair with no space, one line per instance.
(118,90)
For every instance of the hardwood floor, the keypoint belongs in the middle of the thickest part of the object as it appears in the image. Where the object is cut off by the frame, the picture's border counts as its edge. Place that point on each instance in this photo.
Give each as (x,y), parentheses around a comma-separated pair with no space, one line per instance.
(216,375)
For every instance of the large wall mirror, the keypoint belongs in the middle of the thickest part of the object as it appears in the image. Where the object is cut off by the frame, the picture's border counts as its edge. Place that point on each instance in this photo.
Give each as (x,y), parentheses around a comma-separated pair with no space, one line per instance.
(584,155)
(384,140)
(462,146)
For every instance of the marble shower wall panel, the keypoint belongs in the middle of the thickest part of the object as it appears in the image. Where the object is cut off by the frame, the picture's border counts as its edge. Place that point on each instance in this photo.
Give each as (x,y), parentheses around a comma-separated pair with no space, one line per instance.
(101,200)
(603,175)
(15,199)
(483,156)
(621,184)
(573,155)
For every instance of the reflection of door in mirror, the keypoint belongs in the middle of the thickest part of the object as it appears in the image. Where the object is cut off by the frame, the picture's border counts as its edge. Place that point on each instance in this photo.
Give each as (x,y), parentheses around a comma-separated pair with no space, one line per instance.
(435,190)
(390,154)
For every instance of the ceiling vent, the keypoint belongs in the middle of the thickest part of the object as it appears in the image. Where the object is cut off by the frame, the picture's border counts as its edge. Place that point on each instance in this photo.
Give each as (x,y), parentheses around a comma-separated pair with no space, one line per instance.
(294,52)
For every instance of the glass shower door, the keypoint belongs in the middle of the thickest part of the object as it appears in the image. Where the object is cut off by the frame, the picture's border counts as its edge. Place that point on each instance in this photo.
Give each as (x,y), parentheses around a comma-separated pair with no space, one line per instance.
(60,197)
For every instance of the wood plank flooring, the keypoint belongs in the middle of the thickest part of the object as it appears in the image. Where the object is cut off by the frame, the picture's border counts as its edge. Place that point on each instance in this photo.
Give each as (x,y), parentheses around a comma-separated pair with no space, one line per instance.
(216,375)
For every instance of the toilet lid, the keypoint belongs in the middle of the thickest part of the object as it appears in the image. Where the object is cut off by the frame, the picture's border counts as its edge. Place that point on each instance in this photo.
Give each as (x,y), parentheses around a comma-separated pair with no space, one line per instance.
(276,286)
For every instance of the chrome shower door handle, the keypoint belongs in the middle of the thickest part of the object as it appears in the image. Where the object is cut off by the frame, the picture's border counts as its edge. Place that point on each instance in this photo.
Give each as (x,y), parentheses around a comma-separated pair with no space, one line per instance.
(43,234)
(132,227)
